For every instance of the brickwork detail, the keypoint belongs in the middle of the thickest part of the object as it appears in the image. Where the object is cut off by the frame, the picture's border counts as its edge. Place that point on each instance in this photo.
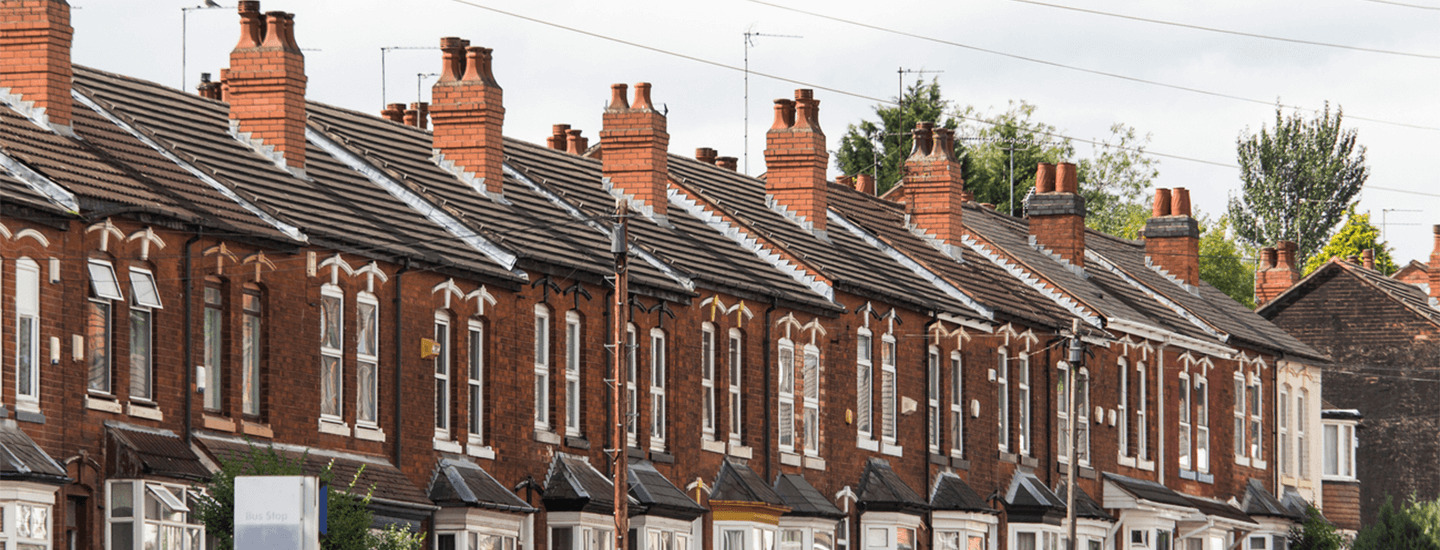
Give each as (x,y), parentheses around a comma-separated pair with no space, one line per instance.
(467,112)
(35,36)
(635,143)
(796,159)
(265,85)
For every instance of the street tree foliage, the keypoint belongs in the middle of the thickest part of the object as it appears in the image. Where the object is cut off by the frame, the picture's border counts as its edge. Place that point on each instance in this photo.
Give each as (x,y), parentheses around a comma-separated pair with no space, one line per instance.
(1223,260)
(1413,526)
(1115,181)
(349,518)
(1353,238)
(1316,533)
(1297,179)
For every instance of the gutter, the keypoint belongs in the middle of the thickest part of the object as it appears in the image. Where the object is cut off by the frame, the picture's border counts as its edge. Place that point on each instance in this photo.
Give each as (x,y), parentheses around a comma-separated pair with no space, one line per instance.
(1151,332)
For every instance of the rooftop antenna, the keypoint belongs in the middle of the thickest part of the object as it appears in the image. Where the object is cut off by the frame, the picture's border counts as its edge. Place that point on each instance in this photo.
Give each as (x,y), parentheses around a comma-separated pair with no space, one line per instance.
(184,33)
(900,75)
(420,84)
(749,42)
(386,50)
(1384,223)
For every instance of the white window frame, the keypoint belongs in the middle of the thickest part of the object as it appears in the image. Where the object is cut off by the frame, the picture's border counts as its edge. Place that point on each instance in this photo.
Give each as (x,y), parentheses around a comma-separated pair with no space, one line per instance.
(212,352)
(1341,452)
(252,338)
(475,375)
(632,394)
(588,531)
(1184,437)
(1241,443)
(1023,386)
(1002,382)
(889,389)
(735,363)
(891,524)
(864,384)
(1257,416)
(785,405)
(937,424)
(1122,410)
(335,353)
(1302,458)
(957,405)
(755,535)
(541,361)
(810,380)
(1201,388)
(176,498)
(573,387)
(444,372)
(1282,419)
(1142,412)
(27,307)
(1082,414)
(104,292)
(709,416)
(807,529)
(367,359)
(145,301)
(659,374)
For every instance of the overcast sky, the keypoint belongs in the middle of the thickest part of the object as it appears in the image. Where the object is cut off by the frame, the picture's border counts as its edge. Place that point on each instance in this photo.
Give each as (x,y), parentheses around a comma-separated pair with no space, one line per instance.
(551,75)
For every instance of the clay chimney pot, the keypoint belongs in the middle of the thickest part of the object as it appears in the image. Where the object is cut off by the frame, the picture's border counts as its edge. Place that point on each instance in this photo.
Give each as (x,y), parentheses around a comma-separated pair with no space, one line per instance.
(1162,204)
(1180,202)
(1045,178)
(617,98)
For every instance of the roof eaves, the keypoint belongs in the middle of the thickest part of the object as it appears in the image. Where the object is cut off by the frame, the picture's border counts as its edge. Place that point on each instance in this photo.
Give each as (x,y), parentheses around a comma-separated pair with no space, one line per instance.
(737,231)
(419,204)
(1015,268)
(913,265)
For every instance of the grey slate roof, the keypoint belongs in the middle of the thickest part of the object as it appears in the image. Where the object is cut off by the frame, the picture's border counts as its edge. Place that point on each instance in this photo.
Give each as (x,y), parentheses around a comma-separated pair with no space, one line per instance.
(463,483)
(951,493)
(658,496)
(1295,504)
(1217,509)
(22,459)
(804,499)
(1085,507)
(736,482)
(1145,489)
(1260,503)
(390,485)
(1028,500)
(880,489)
(573,485)
(157,452)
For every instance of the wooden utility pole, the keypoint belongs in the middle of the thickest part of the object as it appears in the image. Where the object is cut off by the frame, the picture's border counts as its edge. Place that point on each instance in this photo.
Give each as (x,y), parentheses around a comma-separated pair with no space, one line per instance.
(1072,373)
(620,314)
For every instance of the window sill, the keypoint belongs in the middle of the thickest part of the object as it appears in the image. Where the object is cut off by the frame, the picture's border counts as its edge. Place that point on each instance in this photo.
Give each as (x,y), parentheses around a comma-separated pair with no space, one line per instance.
(740,451)
(27,415)
(1127,461)
(446,446)
(577,442)
(334,428)
(212,422)
(109,405)
(661,457)
(1338,479)
(713,446)
(815,463)
(891,450)
(866,444)
(789,459)
(1197,476)
(1242,460)
(1007,457)
(27,405)
(1029,461)
(256,429)
(1257,464)
(1147,465)
(546,436)
(369,433)
(146,411)
(480,451)
(657,445)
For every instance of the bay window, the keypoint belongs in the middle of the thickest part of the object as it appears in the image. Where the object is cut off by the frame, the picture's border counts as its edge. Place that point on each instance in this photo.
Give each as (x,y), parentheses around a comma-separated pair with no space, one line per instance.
(148,514)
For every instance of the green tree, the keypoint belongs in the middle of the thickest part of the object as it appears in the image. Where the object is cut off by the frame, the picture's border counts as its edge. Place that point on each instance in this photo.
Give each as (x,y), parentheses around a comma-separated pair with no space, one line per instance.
(1222,261)
(986,159)
(1399,529)
(1316,533)
(348,516)
(1353,238)
(880,147)
(1116,183)
(1297,179)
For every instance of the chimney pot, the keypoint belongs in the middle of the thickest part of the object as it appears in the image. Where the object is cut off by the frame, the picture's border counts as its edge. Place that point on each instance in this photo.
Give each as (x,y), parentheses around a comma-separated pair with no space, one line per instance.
(988,206)
(557,139)
(394,112)
(642,97)
(1280,274)
(865,183)
(921,138)
(1180,202)
(728,163)
(575,144)
(1267,258)
(705,155)
(617,97)
(1162,204)
(1368,257)
(1065,178)
(1045,178)
(784,114)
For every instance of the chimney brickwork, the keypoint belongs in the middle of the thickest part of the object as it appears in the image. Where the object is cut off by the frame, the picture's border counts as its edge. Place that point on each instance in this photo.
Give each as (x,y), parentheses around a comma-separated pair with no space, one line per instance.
(265,85)
(796,159)
(467,114)
(35,36)
(635,144)
(933,185)
(1277,272)
(1172,236)
(1434,271)
(1057,212)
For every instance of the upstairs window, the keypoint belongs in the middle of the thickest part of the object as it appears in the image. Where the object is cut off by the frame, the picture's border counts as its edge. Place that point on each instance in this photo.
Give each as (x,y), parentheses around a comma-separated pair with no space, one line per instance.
(632,372)
(810,381)
(27,330)
(442,375)
(1142,431)
(1302,458)
(936,424)
(736,364)
(1184,435)
(542,368)
(251,336)
(367,351)
(658,376)
(1282,417)
(1082,414)
(1340,448)
(145,300)
(785,422)
(889,394)
(476,382)
(572,374)
(213,352)
(1123,408)
(957,405)
(1023,387)
(708,415)
(1002,383)
(864,384)
(1201,404)
(332,371)
(104,290)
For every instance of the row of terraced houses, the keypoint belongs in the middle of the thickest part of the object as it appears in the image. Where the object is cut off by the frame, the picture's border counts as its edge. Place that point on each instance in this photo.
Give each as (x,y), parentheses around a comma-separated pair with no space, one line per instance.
(421,299)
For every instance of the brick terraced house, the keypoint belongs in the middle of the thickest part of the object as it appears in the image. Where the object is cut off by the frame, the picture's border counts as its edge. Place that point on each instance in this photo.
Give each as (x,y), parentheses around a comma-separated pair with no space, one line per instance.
(420,298)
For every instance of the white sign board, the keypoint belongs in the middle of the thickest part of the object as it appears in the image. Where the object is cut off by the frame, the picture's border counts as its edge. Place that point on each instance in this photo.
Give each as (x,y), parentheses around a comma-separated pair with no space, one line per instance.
(277,513)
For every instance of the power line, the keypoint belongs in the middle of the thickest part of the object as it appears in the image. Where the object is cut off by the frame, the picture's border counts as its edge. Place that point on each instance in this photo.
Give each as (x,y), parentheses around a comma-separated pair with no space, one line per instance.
(1416,6)
(1230,32)
(838,91)
(1076,68)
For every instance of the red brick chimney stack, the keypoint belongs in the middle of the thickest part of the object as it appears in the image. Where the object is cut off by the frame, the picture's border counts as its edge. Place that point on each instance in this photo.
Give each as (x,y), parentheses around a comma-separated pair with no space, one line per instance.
(35,37)
(574,143)
(1172,236)
(706,155)
(634,141)
(394,112)
(1277,272)
(934,189)
(417,115)
(557,139)
(796,159)
(729,163)
(467,111)
(207,88)
(1434,270)
(1057,212)
(266,82)
(1367,258)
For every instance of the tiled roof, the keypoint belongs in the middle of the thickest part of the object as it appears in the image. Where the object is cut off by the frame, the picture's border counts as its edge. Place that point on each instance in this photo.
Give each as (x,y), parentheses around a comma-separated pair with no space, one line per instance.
(1144,489)
(22,459)
(467,484)
(804,499)
(1220,510)
(334,206)
(158,452)
(389,484)
(1259,502)
(574,485)
(1085,507)
(736,482)
(1028,491)
(658,496)
(1411,296)
(880,489)
(952,494)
